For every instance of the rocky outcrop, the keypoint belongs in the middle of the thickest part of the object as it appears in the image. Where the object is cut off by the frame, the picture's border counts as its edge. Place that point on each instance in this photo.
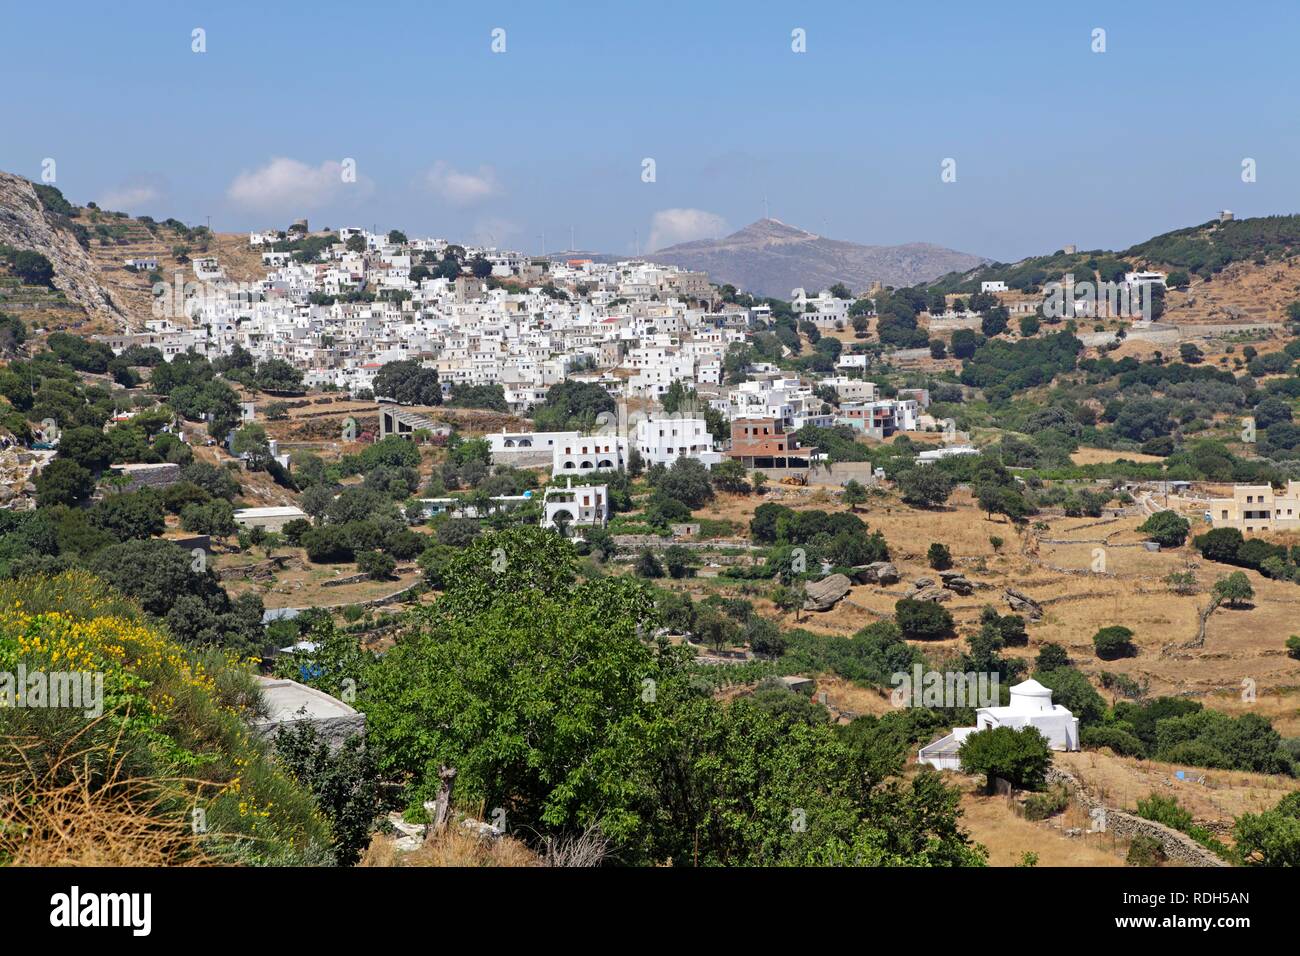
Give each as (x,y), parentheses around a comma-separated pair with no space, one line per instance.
(1022,603)
(825,594)
(878,572)
(957,582)
(24,224)
(263,570)
(925,589)
(18,470)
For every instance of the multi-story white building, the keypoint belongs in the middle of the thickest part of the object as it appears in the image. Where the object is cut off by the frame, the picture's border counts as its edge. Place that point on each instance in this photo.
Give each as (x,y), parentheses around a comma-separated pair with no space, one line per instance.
(662,441)
(583,455)
(825,311)
(851,389)
(575,506)
(880,419)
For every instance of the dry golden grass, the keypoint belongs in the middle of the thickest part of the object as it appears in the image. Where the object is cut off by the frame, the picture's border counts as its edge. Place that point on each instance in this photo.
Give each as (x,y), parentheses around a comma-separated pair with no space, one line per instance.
(1224,795)
(59,812)
(1007,836)
(1258,293)
(1280,706)
(1104,456)
(1240,643)
(305,586)
(1244,643)
(842,695)
(454,846)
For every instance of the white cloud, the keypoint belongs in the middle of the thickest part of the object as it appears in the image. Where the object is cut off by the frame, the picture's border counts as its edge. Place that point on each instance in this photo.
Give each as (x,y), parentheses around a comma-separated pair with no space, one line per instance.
(127,198)
(671,226)
(462,188)
(285,183)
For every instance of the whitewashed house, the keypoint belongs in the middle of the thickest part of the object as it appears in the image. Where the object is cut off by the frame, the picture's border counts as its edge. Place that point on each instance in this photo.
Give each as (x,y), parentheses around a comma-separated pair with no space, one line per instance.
(1031,706)
(583,455)
(663,441)
(576,506)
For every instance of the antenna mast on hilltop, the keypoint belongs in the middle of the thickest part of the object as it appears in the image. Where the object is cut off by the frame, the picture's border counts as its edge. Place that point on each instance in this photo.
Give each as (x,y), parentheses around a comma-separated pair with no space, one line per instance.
(765,212)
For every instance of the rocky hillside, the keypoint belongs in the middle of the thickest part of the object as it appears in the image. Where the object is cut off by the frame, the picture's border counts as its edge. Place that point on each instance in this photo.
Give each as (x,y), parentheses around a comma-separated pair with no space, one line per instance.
(25,223)
(769,257)
(93,290)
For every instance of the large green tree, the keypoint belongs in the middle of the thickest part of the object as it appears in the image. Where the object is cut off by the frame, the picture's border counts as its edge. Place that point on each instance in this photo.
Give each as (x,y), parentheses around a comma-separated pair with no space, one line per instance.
(1167,528)
(408,383)
(1021,757)
(551,699)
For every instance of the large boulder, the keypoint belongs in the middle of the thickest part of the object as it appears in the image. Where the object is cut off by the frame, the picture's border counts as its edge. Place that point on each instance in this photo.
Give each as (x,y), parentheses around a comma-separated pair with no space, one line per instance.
(878,572)
(931,593)
(1022,603)
(825,594)
(920,584)
(957,582)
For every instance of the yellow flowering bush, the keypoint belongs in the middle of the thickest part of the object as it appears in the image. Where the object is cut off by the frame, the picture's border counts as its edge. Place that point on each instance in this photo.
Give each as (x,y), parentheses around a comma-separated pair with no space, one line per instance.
(183,713)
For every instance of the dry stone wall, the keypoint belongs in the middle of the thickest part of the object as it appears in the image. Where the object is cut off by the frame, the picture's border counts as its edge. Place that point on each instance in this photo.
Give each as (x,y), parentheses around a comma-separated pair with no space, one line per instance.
(1179,847)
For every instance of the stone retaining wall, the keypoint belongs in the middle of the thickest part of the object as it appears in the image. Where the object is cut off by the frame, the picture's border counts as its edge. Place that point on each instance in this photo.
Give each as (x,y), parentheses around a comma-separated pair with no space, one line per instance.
(334,731)
(636,542)
(524,457)
(161,475)
(1179,847)
(262,570)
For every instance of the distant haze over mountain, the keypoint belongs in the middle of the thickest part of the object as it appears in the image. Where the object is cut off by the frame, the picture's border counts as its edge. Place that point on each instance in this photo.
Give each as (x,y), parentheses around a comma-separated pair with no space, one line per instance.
(771,258)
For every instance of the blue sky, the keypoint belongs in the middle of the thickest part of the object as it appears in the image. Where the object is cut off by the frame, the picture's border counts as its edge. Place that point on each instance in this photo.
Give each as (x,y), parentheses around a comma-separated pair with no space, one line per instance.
(1054,143)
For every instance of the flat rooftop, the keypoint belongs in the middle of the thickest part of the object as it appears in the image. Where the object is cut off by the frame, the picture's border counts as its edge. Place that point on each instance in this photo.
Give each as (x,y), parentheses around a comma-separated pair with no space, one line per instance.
(288,700)
(280,511)
(145,466)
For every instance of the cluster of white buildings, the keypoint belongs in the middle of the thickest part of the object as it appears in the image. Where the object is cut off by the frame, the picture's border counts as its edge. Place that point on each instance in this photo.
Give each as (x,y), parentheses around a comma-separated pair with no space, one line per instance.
(634,328)
(566,506)
(343,316)
(855,402)
(772,393)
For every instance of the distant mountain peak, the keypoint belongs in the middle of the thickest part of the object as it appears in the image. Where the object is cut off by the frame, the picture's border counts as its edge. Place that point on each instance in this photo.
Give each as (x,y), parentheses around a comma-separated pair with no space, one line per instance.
(770,257)
(775,228)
